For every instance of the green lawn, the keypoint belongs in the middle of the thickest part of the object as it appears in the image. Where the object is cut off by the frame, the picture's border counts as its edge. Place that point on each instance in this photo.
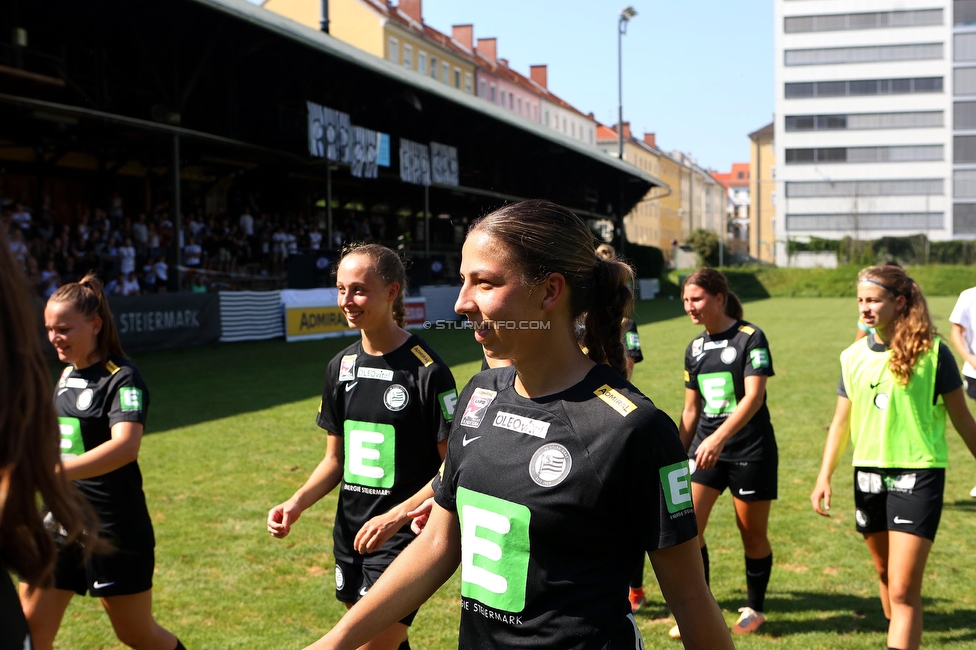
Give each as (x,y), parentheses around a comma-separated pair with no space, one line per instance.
(233,434)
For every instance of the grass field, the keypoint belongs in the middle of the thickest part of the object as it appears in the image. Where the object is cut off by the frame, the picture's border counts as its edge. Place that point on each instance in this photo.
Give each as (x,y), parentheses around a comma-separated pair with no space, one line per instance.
(233,434)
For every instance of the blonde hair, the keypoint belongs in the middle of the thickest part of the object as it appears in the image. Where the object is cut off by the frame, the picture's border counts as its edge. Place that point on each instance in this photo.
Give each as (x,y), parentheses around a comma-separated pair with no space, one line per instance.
(912,331)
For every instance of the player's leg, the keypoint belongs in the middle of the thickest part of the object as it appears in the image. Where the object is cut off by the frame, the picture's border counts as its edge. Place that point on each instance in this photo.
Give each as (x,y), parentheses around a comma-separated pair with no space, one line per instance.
(134,625)
(878,547)
(703,498)
(636,596)
(392,638)
(907,555)
(752,518)
(44,609)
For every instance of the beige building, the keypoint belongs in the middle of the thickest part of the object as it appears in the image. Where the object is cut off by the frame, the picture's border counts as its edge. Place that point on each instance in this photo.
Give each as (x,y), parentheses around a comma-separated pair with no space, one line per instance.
(397,34)
(762,186)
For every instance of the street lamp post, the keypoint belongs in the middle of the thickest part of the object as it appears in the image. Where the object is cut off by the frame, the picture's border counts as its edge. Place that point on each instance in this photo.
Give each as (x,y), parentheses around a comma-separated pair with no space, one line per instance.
(625,15)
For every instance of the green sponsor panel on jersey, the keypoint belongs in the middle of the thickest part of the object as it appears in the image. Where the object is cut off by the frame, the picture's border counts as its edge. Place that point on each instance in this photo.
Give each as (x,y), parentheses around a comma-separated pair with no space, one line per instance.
(676,481)
(494,550)
(72,443)
(759,358)
(130,399)
(370,450)
(448,402)
(633,341)
(718,390)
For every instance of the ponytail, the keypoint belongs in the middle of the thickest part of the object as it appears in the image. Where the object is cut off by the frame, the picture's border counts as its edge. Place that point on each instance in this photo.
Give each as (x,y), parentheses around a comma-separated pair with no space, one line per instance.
(87,296)
(611,301)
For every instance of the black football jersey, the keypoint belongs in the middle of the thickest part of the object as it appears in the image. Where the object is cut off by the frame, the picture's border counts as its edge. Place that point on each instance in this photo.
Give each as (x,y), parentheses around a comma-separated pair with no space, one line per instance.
(716,366)
(14,634)
(557,497)
(391,412)
(632,346)
(89,402)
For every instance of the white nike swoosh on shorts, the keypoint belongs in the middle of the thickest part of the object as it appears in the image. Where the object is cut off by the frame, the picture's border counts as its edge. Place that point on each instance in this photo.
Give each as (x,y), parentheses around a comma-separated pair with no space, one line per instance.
(102,585)
(899,520)
(746,493)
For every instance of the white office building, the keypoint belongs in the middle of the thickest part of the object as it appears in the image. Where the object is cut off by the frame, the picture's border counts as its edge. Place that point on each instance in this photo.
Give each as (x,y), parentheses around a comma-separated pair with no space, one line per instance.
(875,119)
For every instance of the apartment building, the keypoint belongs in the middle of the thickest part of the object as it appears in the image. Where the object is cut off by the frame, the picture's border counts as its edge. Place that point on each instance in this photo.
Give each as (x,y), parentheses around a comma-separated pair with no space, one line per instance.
(875,127)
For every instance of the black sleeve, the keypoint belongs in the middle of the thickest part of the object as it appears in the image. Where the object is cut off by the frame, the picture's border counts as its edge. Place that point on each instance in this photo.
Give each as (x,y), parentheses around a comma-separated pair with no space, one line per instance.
(947,378)
(445,483)
(759,361)
(129,397)
(328,417)
(632,343)
(444,392)
(841,389)
(691,378)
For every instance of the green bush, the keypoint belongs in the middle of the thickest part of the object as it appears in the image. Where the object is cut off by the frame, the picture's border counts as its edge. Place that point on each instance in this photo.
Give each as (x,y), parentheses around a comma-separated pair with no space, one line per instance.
(705,243)
(916,249)
(648,261)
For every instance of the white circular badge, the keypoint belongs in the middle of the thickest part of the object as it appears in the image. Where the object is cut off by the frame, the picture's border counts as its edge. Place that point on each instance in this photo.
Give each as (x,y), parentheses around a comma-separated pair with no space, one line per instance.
(862,518)
(396,397)
(881,401)
(340,580)
(84,400)
(550,465)
(728,355)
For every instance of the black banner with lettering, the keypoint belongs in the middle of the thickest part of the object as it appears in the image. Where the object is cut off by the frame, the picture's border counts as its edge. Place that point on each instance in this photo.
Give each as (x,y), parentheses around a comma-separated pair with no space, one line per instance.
(164,321)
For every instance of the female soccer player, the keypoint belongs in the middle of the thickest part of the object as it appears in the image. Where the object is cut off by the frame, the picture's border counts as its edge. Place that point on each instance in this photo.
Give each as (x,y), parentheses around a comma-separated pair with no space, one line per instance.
(544,497)
(726,423)
(896,387)
(102,402)
(28,458)
(387,407)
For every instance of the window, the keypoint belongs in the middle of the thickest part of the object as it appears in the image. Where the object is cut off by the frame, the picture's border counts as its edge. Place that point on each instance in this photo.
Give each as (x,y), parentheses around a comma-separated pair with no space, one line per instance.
(422,62)
(964,184)
(408,56)
(863,121)
(964,47)
(964,12)
(864,87)
(482,88)
(964,149)
(467,82)
(964,81)
(393,51)
(867,221)
(831,189)
(872,20)
(870,54)
(964,218)
(545,117)
(457,78)
(433,67)
(491,96)
(964,116)
(519,105)
(446,72)
(908,153)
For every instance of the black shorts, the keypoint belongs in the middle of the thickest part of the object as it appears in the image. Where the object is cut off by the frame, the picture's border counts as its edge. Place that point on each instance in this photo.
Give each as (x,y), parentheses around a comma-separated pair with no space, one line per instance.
(970,384)
(353,580)
(121,573)
(754,480)
(905,500)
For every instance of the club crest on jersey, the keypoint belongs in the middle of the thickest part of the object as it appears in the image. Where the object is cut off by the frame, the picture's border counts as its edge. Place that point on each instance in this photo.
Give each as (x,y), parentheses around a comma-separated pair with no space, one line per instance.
(881,401)
(521,424)
(84,400)
(550,465)
(339,578)
(347,368)
(696,346)
(474,412)
(728,355)
(396,397)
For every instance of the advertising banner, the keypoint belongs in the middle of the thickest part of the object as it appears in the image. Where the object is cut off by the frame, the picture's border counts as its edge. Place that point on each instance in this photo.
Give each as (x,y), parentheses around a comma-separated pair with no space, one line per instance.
(164,321)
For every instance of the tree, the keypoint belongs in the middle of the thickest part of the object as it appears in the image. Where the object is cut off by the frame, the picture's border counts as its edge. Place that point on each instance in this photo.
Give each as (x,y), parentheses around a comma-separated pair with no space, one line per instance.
(705,243)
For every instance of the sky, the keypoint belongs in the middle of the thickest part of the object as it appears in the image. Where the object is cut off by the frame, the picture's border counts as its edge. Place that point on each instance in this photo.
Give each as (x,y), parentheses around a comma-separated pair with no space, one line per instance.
(698,73)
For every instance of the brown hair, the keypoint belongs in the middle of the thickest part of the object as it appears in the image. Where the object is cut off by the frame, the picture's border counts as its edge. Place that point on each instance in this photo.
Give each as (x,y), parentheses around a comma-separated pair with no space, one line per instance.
(29,441)
(540,238)
(912,331)
(715,283)
(388,265)
(87,296)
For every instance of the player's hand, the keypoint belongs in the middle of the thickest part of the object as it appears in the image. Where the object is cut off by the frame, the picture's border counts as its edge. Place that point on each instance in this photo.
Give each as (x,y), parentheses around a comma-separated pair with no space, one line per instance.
(281,517)
(420,516)
(376,532)
(708,452)
(821,493)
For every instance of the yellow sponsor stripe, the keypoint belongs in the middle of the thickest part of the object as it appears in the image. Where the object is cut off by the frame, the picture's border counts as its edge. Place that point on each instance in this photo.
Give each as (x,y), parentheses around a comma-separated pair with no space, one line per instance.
(748,329)
(422,355)
(617,402)
(111,367)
